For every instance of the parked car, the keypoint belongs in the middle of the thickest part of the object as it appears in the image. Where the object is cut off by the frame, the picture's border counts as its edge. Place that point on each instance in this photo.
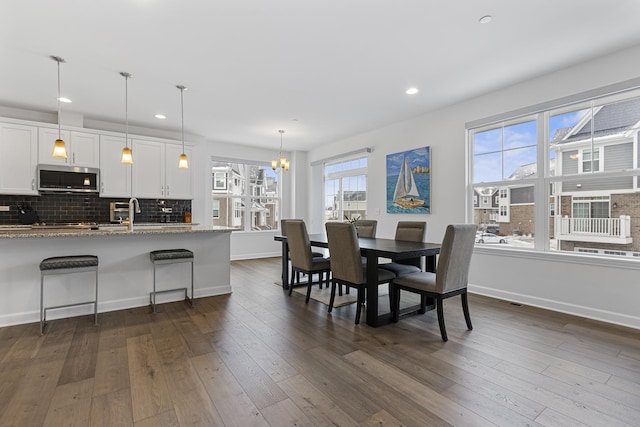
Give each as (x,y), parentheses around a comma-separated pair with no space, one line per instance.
(489,238)
(493,228)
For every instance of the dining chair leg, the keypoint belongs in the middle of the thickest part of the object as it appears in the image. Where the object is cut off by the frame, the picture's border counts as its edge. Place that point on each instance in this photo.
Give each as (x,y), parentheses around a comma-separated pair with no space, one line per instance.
(465,309)
(440,309)
(309,284)
(333,294)
(292,281)
(360,299)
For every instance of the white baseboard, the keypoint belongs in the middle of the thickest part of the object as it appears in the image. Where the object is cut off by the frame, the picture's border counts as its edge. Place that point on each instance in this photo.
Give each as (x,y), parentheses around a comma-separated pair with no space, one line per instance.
(559,306)
(106,306)
(255,255)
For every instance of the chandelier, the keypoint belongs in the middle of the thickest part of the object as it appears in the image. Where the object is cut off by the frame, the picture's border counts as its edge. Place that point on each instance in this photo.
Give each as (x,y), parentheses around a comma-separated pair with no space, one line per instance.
(282,161)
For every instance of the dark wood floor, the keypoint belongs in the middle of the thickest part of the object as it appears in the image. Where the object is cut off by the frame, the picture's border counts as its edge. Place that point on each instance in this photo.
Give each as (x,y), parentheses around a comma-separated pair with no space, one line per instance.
(261,358)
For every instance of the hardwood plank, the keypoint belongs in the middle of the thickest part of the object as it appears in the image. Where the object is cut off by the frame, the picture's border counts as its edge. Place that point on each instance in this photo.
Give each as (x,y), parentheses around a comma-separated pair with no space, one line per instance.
(551,418)
(112,371)
(113,333)
(403,384)
(191,402)
(80,362)
(71,405)
(166,419)
(319,408)
(382,418)
(29,404)
(112,409)
(285,413)
(149,391)
(233,404)
(262,390)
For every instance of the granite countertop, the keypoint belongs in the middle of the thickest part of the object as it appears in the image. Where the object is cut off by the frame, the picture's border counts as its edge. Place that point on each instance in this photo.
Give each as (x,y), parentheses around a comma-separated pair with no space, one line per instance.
(25,231)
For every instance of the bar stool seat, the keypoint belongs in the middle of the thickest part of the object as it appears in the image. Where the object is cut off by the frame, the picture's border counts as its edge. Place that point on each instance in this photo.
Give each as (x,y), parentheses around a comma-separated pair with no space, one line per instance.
(65,265)
(170,256)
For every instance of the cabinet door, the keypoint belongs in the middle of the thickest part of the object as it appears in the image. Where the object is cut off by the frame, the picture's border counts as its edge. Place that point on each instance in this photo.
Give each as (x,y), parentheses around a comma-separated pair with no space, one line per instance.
(178,182)
(46,138)
(115,178)
(148,169)
(18,159)
(85,149)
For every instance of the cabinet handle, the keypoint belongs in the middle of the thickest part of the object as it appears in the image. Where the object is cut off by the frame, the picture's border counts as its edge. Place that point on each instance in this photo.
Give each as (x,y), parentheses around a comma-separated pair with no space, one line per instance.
(168,190)
(74,157)
(162,190)
(33,184)
(102,186)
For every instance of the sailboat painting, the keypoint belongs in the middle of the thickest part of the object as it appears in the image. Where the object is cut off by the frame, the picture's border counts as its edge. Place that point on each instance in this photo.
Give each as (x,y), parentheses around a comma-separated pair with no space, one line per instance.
(409,181)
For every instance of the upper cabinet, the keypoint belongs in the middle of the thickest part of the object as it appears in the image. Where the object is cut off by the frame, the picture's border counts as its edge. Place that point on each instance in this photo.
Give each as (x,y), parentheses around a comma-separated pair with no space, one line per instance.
(177,182)
(83,149)
(156,173)
(18,159)
(115,178)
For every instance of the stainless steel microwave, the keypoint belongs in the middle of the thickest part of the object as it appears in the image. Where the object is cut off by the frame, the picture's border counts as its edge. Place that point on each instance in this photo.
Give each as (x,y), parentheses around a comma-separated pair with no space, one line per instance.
(68,179)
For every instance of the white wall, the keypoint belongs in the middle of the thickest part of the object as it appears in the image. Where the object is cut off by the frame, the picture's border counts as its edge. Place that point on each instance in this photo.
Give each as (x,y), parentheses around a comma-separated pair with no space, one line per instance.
(602,292)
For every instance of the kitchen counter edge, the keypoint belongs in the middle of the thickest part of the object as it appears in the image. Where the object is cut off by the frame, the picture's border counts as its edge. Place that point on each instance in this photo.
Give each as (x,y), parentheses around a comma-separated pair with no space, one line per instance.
(110,231)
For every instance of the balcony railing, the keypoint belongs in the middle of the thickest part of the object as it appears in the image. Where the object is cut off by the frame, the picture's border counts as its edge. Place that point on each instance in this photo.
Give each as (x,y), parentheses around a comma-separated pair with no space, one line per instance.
(605,230)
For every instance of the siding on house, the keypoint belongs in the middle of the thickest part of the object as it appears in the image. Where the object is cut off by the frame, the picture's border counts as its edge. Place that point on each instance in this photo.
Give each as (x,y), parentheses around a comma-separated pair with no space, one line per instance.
(618,157)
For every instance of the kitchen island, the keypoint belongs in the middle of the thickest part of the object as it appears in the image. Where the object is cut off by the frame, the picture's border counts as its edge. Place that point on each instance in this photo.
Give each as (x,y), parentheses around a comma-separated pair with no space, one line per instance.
(125,271)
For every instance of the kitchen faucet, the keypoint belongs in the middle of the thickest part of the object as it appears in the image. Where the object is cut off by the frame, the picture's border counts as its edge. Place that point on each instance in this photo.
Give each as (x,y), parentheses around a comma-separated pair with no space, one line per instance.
(133,201)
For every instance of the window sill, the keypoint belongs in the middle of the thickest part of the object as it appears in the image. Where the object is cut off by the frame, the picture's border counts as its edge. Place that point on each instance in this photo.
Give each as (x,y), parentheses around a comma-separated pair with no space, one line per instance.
(563,257)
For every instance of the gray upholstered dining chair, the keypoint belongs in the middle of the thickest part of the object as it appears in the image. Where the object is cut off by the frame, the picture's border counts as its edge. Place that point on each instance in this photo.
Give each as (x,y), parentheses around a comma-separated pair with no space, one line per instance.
(408,231)
(346,263)
(302,259)
(366,227)
(450,279)
(283,231)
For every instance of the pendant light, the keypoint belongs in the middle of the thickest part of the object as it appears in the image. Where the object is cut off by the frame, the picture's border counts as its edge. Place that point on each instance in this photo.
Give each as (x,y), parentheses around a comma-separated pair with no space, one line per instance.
(282,161)
(127,155)
(59,149)
(182,163)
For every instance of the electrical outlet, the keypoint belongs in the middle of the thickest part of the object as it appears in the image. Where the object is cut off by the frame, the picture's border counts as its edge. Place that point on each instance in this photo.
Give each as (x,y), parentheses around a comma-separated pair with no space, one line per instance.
(4,208)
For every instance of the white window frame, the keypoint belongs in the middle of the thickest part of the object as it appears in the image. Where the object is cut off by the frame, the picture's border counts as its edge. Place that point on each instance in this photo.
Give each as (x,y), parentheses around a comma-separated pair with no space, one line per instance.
(543,180)
(582,154)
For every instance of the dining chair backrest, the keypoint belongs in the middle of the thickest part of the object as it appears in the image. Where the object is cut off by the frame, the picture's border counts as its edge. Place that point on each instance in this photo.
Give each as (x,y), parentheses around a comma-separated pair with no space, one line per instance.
(283,225)
(411,231)
(344,252)
(452,271)
(366,227)
(299,244)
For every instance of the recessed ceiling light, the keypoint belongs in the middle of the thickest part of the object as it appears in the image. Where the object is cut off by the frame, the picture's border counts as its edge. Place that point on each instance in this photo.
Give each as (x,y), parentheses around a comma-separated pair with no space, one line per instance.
(65,100)
(412,91)
(485,19)
(160,116)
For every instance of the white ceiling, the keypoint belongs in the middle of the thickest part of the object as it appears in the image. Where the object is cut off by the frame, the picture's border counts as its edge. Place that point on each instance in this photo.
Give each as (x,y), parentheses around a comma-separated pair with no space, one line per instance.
(321,70)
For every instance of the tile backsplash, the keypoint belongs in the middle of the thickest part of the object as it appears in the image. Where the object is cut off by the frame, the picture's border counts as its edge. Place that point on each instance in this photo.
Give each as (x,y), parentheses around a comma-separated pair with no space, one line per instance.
(56,208)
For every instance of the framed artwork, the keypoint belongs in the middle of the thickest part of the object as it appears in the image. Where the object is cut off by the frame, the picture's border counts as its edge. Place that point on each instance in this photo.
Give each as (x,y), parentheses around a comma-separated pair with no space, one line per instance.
(409,181)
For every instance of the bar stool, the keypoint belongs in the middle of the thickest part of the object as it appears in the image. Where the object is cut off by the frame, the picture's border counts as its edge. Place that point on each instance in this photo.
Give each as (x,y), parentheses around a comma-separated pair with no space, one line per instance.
(170,256)
(64,265)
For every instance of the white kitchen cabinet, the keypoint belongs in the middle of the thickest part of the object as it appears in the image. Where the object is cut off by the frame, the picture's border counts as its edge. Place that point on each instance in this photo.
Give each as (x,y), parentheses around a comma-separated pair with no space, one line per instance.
(115,177)
(83,149)
(156,173)
(18,159)
(178,182)
(148,169)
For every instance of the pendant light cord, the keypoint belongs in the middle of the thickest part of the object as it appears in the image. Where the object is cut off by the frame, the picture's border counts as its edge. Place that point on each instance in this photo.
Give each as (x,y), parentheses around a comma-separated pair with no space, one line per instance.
(58,60)
(182,114)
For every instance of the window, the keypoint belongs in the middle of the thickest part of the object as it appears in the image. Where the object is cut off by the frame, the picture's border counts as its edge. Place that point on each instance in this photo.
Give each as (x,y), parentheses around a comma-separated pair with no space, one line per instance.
(591,152)
(245,196)
(216,208)
(345,189)
(219,180)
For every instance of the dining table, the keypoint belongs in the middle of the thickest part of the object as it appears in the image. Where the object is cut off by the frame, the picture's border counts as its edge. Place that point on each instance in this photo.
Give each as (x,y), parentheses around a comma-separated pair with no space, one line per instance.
(375,249)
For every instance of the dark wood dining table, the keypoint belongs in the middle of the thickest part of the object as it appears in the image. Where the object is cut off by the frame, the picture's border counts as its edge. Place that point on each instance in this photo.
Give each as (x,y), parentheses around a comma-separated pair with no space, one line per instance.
(374,249)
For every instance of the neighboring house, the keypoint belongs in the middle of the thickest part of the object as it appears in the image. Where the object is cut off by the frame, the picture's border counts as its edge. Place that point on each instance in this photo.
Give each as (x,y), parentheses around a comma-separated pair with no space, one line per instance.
(599,216)
(594,216)
(235,185)
(352,204)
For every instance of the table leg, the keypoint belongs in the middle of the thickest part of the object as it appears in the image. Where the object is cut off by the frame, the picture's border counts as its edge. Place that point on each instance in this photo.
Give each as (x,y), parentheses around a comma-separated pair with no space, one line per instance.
(285,265)
(372,290)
